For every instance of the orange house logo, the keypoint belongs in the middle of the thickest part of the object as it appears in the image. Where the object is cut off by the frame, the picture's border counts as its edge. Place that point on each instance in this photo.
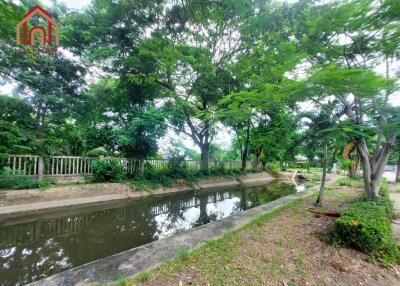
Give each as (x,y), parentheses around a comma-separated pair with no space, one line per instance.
(28,37)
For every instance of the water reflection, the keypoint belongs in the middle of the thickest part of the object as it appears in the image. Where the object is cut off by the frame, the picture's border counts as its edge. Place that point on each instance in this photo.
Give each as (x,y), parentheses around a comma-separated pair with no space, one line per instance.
(36,249)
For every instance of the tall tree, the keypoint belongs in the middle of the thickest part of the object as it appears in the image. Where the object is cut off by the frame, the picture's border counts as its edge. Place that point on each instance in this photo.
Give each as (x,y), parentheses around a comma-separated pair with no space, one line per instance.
(207,39)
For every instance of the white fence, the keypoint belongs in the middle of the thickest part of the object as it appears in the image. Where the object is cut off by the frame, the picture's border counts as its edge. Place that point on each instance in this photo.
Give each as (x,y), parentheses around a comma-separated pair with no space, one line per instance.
(77,166)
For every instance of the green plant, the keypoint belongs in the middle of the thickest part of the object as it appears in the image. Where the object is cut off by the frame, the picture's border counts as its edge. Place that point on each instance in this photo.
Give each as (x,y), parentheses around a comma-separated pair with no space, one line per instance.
(124,281)
(142,184)
(105,171)
(143,276)
(183,252)
(19,182)
(272,167)
(366,225)
(349,182)
(96,152)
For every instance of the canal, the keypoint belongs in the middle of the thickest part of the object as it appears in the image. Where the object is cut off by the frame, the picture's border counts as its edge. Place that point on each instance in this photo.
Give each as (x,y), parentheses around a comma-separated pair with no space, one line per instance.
(33,248)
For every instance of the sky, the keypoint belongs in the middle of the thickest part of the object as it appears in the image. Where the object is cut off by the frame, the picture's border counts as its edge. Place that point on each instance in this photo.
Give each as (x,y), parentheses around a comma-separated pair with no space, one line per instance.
(73,4)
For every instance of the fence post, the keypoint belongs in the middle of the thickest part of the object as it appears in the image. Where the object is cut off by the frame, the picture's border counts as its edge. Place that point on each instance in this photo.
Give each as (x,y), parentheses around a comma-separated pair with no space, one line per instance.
(141,167)
(40,169)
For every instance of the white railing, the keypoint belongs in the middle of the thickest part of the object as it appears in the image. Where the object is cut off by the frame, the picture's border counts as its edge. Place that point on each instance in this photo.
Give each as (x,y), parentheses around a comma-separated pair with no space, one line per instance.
(22,164)
(75,165)
(68,165)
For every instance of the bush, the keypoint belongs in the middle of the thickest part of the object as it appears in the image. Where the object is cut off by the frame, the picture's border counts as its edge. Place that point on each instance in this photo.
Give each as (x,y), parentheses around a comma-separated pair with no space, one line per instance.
(366,225)
(19,182)
(162,177)
(273,167)
(107,171)
(177,166)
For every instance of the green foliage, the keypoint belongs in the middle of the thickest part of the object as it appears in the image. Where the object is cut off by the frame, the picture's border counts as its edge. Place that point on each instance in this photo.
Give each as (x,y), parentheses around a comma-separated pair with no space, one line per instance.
(349,182)
(124,281)
(177,166)
(16,126)
(143,276)
(142,184)
(19,182)
(273,167)
(106,171)
(366,225)
(183,252)
(96,152)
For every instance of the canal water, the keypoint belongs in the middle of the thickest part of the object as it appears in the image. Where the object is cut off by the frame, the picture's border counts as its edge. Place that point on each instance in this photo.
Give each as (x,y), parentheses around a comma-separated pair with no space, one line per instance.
(33,248)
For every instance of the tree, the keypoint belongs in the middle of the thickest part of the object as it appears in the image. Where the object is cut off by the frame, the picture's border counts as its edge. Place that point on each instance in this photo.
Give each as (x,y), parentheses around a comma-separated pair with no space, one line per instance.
(342,53)
(50,83)
(364,87)
(362,96)
(16,127)
(120,43)
(206,40)
(320,133)
(398,160)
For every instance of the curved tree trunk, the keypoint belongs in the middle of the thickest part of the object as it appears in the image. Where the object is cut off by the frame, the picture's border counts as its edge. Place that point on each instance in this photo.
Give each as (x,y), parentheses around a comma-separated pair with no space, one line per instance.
(373,166)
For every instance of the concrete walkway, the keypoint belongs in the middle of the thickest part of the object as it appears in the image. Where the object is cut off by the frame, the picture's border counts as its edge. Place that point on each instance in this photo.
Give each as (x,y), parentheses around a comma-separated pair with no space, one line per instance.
(394,193)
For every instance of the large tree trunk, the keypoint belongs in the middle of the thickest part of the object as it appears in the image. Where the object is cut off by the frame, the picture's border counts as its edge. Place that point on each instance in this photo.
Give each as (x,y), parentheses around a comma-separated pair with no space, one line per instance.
(373,167)
(398,169)
(256,162)
(246,147)
(318,203)
(204,149)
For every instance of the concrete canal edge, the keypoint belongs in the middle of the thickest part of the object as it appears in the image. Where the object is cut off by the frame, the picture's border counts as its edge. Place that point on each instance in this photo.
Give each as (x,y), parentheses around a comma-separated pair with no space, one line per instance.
(53,200)
(152,255)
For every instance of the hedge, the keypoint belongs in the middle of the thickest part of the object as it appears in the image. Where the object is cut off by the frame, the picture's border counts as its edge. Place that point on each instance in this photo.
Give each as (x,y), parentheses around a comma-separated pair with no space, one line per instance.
(366,226)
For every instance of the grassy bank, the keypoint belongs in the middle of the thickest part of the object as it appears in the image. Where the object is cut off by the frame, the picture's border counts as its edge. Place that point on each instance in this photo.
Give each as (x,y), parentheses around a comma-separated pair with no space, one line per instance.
(285,247)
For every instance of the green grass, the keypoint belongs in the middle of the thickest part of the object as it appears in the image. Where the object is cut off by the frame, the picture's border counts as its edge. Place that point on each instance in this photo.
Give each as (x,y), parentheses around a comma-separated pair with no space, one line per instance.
(142,184)
(350,182)
(143,276)
(183,252)
(124,281)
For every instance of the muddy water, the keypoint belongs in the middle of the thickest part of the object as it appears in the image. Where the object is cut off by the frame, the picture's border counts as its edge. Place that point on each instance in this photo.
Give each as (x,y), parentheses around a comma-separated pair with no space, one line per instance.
(36,247)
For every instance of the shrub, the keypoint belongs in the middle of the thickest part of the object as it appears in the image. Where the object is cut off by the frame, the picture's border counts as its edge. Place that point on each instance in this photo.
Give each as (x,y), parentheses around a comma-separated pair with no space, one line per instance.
(272,167)
(162,177)
(366,225)
(19,182)
(106,171)
(177,166)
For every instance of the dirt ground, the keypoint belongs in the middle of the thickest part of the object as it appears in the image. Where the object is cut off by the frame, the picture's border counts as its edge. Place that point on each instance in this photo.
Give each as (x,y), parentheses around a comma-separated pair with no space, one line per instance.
(286,249)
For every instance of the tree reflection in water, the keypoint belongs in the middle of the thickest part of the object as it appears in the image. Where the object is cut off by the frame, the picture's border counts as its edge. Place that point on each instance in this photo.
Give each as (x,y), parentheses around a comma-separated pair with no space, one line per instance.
(41,247)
